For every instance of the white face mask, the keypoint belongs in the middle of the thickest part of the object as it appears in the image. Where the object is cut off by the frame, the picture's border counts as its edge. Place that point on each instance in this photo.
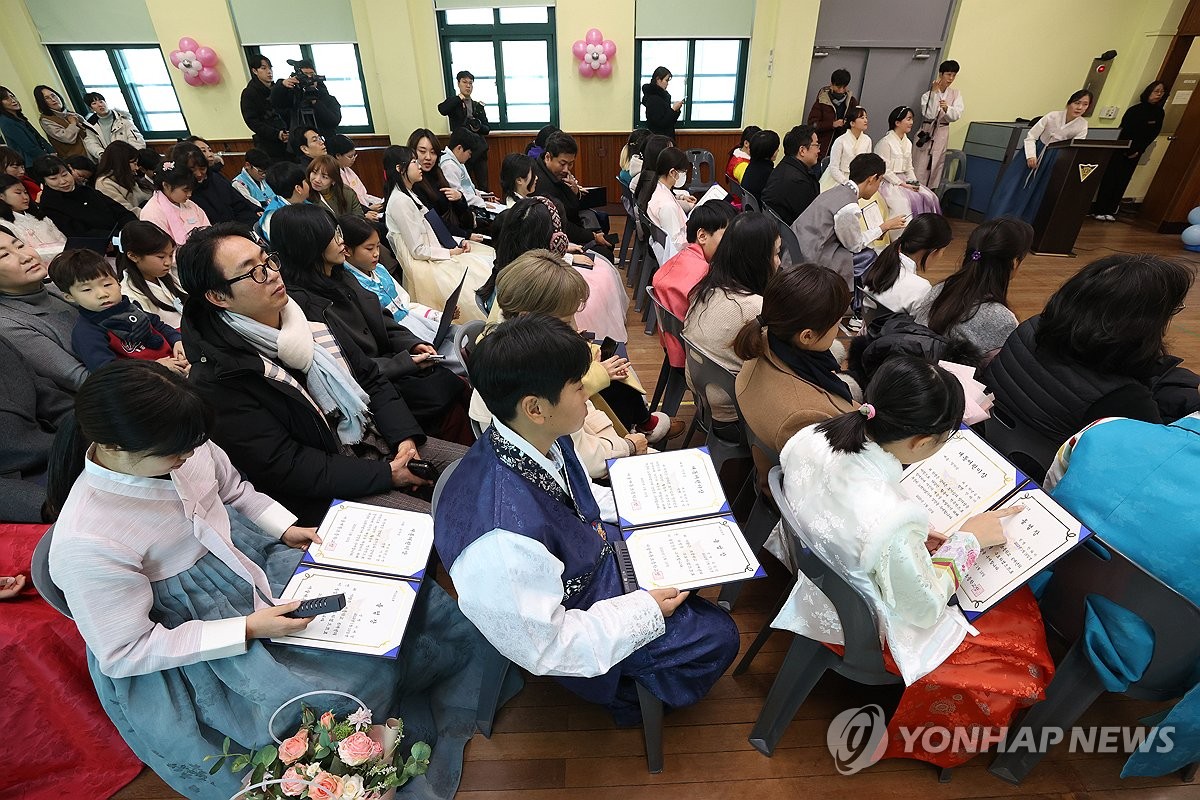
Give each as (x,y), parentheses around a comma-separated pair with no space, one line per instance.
(681,180)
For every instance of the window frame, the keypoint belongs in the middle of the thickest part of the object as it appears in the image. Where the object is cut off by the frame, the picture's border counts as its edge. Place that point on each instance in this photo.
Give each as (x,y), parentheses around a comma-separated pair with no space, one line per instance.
(73,84)
(739,95)
(498,33)
(306,52)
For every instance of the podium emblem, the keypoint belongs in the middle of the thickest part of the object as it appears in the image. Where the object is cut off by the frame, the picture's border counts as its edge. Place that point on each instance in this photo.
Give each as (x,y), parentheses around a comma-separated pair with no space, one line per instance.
(1085,170)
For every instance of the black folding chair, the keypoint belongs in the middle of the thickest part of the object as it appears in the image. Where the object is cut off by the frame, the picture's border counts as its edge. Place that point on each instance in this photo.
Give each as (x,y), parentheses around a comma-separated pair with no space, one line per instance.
(672,382)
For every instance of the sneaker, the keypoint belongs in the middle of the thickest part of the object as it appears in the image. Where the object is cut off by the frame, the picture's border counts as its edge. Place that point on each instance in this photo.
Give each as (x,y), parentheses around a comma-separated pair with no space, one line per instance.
(1109,218)
(662,428)
(854,324)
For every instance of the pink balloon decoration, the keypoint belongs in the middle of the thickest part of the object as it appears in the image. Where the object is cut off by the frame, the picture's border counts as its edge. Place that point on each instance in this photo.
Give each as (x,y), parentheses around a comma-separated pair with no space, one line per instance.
(579,49)
(176,57)
(594,36)
(594,53)
(188,43)
(193,80)
(207,56)
(585,69)
(604,71)
(210,76)
(610,48)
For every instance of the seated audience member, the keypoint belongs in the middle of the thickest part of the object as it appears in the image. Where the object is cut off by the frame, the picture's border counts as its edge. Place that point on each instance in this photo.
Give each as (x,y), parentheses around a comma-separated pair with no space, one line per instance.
(971,305)
(674,280)
(848,468)
(900,188)
(31,409)
(27,220)
(215,162)
(556,181)
(631,155)
(845,148)
(18,132)
(730,295)
(536,283)
(829,230)
(651,149)
(362,263)
(34,319)
(148,162)
(70,133)
(110,326)
(289,182)
(152,513)
(1098,350)
(118,177)
(892,279)
(739,156)
(270,129)
(13,163)
(789,379)
(830,112)
(435,191)
(793,184)
(538,146)
(453,161)
(341,147)
(312,257)
(517,529)
(252,180)
(276,381)
(517,178)
(306,143)
(214,192)
(328,191)
(113,124)
(430,268)
(763,149)
(76,209)
(666,209)
(146,264)
(83,168)
(171,207)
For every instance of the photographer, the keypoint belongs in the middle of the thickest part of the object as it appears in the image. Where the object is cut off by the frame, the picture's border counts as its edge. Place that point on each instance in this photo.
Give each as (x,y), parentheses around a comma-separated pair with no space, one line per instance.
(472,115)
(303,99)
(269,126)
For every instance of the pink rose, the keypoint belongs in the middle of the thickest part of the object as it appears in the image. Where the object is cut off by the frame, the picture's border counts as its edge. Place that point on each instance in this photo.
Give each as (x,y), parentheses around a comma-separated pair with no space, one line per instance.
(294,783)
(326,787)
(327,720)
(356,749)
(293,749)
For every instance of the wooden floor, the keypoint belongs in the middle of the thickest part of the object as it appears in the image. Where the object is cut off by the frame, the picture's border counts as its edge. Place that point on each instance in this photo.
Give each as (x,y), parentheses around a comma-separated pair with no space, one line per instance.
(548,745)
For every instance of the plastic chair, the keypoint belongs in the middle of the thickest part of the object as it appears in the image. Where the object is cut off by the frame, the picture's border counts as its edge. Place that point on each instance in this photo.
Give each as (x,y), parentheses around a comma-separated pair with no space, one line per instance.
(39,572)
(706,372)
(956,165)
(1096,568)
(483,305)
(671,380)
(791,244)
(700,159)
(641,237)
(822,165)
(650,264)
(1028,450)
(493,682)
(465,338)
(750,202)
(763,518)
(808,660)
(871,309)
(736,190)
(627,202)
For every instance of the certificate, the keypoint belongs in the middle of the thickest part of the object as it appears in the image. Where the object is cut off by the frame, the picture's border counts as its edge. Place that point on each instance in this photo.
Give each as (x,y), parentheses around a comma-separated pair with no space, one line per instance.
(966,477)
(690,555)
(871,215)
(374,539)
(373,621)
(661,487)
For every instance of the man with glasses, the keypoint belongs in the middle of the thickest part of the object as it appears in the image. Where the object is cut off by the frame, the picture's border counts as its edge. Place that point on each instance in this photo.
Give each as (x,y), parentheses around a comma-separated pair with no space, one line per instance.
(305,419)
(260,116)
(793,185)
(307,143)
(472,115)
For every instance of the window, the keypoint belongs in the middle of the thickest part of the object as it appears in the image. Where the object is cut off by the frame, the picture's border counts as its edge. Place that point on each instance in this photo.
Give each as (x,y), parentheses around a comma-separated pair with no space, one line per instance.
(510,51)
(133,79)
(342,68)
(709,73)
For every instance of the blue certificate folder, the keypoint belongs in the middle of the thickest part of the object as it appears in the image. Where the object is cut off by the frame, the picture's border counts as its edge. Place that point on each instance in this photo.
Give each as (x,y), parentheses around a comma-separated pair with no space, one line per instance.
(377,557)
(968,477)
(676,527)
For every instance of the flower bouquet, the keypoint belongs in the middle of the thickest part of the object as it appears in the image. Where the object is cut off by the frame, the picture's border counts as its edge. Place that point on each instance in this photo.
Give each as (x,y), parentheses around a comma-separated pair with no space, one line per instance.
(327,758)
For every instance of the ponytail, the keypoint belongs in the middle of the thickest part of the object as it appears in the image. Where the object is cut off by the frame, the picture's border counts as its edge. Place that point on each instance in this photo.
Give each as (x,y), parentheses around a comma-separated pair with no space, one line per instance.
(925,232)
(748,343)
(908,396)
(66,464)
(798,298)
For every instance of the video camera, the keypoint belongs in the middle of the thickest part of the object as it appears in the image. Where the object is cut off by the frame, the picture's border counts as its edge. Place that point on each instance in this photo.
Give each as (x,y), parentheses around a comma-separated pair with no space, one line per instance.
(307,84)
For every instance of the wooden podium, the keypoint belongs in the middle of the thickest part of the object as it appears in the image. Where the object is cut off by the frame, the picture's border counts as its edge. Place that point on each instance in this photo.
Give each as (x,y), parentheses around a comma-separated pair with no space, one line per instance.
(1075,176)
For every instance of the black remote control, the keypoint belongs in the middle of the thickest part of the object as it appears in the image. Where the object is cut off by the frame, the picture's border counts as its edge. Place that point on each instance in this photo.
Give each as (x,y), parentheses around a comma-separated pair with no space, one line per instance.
(318,605)
(424,470)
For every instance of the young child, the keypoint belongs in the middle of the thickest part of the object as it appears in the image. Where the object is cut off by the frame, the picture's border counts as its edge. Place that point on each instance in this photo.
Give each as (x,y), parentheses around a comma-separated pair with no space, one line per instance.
(13,163)
(251,182)
(171,207)
(19,212)
(848,469)
(522,531)
(147,265)
(290,184)
(110,326)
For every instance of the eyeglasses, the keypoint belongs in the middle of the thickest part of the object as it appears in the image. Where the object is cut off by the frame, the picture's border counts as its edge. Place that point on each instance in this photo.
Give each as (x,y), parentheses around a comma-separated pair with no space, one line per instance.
(260,274)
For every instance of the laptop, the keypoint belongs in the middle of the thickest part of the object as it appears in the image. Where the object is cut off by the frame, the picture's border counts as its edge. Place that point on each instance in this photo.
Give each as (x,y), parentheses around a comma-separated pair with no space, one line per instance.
(448,314)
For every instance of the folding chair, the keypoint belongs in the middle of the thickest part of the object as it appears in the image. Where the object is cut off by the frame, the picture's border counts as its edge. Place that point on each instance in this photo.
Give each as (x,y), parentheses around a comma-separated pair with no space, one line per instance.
(1026,448)
(39,572)
(791,245)
(707,373)
(955,164)
(671,380)
(701,159)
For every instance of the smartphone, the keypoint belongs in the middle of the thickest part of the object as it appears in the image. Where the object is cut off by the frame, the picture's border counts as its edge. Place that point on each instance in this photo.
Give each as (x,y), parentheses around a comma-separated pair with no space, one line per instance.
(423,469)
(434,357)
(608,348)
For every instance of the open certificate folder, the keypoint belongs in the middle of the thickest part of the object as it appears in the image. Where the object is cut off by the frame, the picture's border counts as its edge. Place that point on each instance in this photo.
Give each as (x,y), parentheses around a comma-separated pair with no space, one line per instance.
(968,477)
(377,558)
(676,526)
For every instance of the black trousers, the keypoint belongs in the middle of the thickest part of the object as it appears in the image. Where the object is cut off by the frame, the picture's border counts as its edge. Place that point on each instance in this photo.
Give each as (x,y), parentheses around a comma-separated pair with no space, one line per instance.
(1114,183)
(627,404)
(477,166)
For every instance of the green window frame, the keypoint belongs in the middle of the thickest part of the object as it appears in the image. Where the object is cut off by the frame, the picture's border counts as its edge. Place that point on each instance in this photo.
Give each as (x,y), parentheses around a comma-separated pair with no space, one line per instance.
(693,116)
(503,115)
(282,70)
(127,83)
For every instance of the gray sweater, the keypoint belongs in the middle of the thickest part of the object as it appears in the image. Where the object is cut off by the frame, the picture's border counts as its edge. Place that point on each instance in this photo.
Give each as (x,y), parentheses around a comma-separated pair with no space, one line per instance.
(38,326)
(987,329)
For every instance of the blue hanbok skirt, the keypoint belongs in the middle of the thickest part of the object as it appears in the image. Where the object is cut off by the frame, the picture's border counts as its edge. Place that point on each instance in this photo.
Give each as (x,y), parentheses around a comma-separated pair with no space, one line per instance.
(172,719)
(1019,193)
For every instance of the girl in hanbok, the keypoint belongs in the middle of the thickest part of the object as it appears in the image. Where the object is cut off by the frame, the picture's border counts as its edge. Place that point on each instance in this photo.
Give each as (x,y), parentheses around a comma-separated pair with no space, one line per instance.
(842,480)
(903,192)
(853,142)
(170,564)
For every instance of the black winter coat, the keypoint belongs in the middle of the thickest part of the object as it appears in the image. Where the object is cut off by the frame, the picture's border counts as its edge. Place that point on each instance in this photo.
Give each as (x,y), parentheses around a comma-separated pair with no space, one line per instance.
(222,203)
(84,212)
(660,117)
(264,119)
(790,189)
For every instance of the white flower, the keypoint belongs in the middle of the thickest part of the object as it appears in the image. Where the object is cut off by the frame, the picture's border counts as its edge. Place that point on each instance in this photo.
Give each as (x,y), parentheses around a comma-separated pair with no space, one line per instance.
(352,786)
(360,717)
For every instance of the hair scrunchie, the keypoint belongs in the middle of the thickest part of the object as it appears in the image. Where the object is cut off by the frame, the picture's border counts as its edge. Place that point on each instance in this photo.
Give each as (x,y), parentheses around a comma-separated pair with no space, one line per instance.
(762,323)
(976,255)
(559,242)
(867,410)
